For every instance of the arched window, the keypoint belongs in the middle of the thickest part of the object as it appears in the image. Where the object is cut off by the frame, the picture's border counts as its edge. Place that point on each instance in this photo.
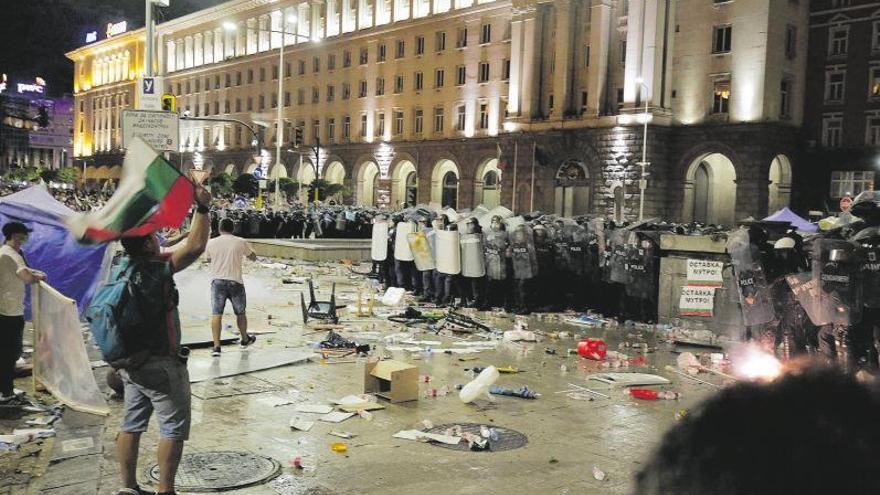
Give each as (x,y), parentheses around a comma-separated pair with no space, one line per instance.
(450,190)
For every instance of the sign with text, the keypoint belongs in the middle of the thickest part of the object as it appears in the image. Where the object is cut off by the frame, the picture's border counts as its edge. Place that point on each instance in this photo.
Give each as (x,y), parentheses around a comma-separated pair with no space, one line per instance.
(149,93)
(696,301)
(705,273)
(161,130)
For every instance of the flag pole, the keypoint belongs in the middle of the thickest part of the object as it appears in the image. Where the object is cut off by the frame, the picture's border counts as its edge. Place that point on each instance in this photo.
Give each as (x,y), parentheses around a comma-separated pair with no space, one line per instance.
(532,195)
(515,153)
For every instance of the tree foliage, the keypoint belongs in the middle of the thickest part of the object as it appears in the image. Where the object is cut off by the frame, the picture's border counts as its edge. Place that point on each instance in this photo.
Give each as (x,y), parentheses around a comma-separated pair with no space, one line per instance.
(326,189)
(221,184)
(245,184)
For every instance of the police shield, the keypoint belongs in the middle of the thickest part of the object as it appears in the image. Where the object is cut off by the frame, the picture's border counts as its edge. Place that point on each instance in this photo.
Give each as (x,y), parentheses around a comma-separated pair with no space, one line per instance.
(578,250)
(868,250)
(523,256)
(495,246)
(421,250)
(473,265)
(617,256)
(379,244)
(643,264)
(837,270)
(448,252)
(806,292)
(754,292)
(402,252)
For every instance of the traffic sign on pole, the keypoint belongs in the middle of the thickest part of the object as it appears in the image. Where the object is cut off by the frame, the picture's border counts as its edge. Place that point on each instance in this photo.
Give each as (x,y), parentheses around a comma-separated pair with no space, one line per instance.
(149,93)
(161,130)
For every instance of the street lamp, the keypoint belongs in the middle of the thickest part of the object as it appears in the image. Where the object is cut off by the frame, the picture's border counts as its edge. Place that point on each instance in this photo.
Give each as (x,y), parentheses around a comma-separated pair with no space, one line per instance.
(643,183)
(230,26)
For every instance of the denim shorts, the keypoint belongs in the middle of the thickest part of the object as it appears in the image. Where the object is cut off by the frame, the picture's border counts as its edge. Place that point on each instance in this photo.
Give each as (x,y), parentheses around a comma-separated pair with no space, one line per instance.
(221,290)
(161,385)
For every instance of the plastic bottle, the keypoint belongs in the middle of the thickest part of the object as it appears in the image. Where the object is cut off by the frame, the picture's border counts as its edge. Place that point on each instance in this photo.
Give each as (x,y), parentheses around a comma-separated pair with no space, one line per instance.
(339,447)
(649,394)
(479,386)
(366,415)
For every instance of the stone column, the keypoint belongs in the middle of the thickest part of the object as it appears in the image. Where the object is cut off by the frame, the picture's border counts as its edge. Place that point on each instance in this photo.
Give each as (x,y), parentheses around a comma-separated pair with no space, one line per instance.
(188,51)
(562,77)
(634,38)
(600,44)
(315,25)
(170,56)
(208,54)
(532,62)
(514,105)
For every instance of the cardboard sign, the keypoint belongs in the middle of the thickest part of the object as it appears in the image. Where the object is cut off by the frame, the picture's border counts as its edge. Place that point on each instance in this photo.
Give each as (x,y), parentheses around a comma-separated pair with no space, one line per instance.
(697,301)
(161,130)
(705,273)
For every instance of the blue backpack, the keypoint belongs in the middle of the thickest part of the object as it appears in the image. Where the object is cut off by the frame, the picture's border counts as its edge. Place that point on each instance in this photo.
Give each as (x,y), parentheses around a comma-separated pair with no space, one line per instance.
(125,311)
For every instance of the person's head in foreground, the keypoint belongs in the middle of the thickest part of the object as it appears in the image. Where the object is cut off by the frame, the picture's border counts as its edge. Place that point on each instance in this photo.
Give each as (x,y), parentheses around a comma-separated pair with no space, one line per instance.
(816,432)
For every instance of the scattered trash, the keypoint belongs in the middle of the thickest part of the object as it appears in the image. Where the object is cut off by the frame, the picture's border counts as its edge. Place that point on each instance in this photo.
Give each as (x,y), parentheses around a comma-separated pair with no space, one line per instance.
(424,436)
(301,425)
(508,370)
(393,296)
(336,417)
(313,408)
(595,349)
(629,379)
(648,394)
(342,434)
(296,462)
(523,392)
(520,336)
(479,386)
(427,424)
(339,447)
(598,474)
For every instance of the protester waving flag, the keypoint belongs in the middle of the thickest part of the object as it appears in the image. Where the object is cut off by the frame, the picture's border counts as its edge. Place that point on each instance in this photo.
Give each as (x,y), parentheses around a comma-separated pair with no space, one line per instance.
(152,194)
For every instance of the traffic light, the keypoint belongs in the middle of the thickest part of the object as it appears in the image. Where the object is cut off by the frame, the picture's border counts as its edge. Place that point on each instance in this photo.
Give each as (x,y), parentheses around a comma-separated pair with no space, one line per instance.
(43,117)
(298,137)
(169,103)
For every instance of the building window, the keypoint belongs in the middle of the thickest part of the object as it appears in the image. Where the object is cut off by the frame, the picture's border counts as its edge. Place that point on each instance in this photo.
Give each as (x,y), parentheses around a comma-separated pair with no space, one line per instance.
(872,137)
(401,49)
(874,82)
(331,129)
(418,118)
(721,39)
(238,105)
(420,45)
(331,61)
(301,67)
(721,97)
(363,125)
(316,95)
(850,183)
(485,34)
(365,55)
(832,131)
(484,72)
(790,41)
(380,53)
(288,70)
(440,41)
(287,98)
(262,74)
(250,104)
(623,52)
(785,99)
(346,127)
(587,56)
(398,84)
(362,90)
(274,100)
(331,92)
(460,75)
(316,130)
(380,124)
(461,38)
(274,72)
(380,86)
(398,122)
(505,69)
(346,91)
(460,117)
(835,82)
(226,106)
(418,81)
(199,85)
(300,96)
(484,116)
(875,36)
(346,58)
(439,78)
(262,105)
(838,41)
(237,80)
(550,102)
(228,79)
(583,102)
(438,119)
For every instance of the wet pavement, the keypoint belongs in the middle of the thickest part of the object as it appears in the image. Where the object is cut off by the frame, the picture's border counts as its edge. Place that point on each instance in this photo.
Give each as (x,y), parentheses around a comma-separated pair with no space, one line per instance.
(568,433)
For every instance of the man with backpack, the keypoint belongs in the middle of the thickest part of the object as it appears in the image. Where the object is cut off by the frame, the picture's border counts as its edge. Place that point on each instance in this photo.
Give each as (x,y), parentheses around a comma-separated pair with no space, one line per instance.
(14,274)
(225,254)
(153,370)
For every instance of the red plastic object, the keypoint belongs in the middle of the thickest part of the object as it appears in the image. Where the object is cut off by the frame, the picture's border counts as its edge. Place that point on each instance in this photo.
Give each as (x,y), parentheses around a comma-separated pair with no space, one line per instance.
(296,462)
(644,393)
(595,349)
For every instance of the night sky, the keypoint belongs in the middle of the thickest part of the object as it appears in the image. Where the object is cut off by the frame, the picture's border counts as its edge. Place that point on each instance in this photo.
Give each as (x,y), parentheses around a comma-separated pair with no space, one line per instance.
(37,33)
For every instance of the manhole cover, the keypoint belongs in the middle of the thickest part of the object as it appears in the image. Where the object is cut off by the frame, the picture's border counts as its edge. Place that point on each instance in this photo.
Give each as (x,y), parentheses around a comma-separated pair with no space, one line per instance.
(220,471)
(507,439)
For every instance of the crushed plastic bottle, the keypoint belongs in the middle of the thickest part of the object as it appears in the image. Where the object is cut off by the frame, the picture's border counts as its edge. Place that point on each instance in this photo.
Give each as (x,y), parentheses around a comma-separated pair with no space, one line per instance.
(649,394)
(339,447)
(365,415)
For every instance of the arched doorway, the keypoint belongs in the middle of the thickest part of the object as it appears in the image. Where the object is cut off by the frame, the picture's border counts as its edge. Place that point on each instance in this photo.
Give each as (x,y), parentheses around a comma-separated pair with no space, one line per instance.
(411,186)
(444,184)
(710,190)
(487,185)
(335,174)
(366,184)
(572,189)
(305,175)
(404,184)
(230,169)
(278,172)
(619,203)
(779,189)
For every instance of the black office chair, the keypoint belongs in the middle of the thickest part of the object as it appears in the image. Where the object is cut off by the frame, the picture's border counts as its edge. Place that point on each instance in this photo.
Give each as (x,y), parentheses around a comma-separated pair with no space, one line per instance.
(319,310)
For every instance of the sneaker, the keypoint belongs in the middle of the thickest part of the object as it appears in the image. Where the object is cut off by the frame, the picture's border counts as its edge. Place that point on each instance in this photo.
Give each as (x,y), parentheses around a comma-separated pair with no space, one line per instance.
(246,343)
(134,491)
(215,352)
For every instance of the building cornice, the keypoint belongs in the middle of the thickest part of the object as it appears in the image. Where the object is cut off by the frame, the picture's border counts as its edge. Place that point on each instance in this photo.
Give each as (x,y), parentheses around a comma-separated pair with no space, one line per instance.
(108,44)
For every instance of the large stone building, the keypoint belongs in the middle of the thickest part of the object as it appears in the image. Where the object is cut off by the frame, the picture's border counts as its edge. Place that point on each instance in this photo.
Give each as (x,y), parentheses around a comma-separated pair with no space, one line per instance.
(842,127)
(536,105)
(26,141)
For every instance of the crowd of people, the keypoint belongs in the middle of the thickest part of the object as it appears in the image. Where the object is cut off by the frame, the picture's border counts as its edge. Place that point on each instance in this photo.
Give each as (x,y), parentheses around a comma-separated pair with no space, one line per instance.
(296,221)
(80,199)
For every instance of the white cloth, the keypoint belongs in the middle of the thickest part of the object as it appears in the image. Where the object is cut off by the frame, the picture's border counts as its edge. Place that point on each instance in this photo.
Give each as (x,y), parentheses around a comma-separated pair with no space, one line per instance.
(226,253)
(11,287)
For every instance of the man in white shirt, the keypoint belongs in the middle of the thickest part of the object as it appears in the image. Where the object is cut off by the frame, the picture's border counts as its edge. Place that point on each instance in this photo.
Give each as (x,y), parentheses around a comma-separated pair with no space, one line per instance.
(225,254)
(14,274)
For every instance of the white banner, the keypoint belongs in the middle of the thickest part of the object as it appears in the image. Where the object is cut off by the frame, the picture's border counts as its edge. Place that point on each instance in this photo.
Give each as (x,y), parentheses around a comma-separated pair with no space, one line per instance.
(705,273)
(696,301)
(161,130)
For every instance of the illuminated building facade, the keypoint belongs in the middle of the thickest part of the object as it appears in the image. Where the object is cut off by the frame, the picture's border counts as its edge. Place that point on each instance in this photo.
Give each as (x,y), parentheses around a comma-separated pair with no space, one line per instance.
(24,142)
(537,105)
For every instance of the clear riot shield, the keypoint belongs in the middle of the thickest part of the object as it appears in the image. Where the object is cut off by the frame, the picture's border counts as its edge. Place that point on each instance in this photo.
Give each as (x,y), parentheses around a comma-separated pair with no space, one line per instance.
(473,265)
(421,250)
(754,291)
(578,249)
(617,260)
(523,256)
(495,244)
(379,244)
(836,268)
(643,264)
(448,252)
(806,292)
(402,252)
(868,242)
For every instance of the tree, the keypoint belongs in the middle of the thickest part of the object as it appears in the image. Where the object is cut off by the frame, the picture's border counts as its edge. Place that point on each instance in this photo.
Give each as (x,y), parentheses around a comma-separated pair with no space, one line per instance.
(49,175)
(245,184)
(288,186)
(325,189)
(67,175)
(221,184)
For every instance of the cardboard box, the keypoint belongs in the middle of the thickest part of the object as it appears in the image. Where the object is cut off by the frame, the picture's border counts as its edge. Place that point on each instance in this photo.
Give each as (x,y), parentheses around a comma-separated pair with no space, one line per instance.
(392,380)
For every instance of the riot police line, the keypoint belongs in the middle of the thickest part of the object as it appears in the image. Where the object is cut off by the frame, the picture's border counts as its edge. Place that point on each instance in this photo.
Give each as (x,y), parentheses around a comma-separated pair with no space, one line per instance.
(297,222)
(799,293)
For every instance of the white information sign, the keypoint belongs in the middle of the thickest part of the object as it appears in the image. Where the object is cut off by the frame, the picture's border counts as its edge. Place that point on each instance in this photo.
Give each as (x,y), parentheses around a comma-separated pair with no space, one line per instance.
(150,93)
(696,301)
(705,273)
(161,130)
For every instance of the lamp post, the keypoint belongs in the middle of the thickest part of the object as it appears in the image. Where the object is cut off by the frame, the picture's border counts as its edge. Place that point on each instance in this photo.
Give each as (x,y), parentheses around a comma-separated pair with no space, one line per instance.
(643,183)
(278,100)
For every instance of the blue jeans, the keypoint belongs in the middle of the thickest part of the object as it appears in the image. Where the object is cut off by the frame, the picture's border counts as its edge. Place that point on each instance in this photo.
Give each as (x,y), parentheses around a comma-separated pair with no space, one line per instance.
(223,290)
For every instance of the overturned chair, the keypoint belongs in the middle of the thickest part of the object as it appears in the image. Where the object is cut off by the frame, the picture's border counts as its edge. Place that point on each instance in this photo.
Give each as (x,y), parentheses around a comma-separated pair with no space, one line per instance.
(319,310)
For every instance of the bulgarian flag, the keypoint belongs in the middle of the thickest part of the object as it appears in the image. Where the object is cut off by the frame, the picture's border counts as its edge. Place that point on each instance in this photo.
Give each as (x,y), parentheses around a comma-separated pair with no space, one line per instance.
(152,195)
